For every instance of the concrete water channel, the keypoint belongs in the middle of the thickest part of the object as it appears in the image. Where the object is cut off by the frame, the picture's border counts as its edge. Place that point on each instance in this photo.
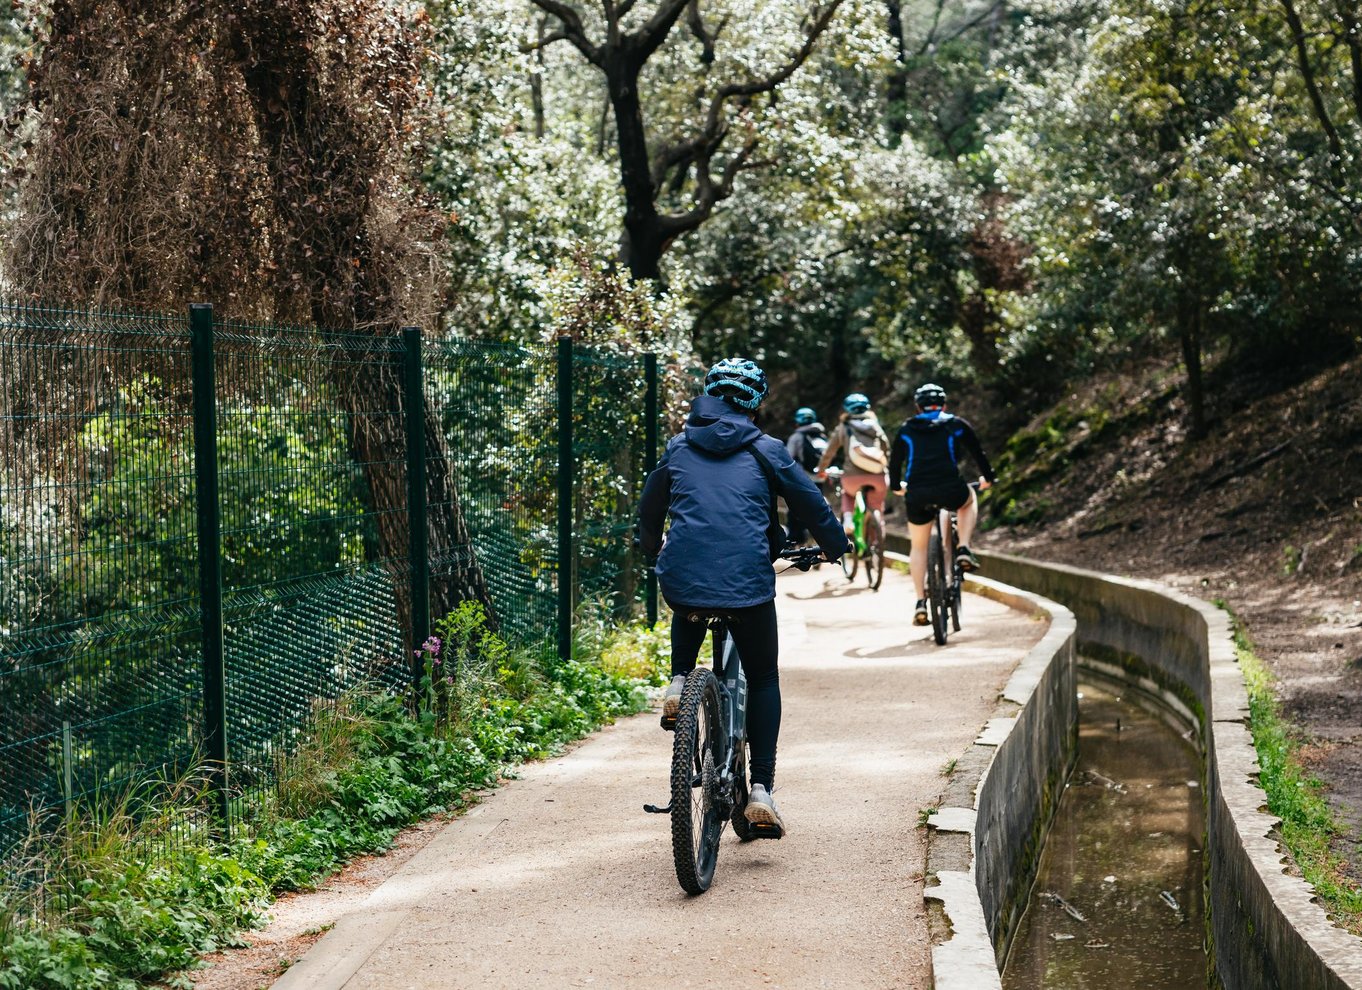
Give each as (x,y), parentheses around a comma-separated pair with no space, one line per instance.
(1118,902)
(1000,836)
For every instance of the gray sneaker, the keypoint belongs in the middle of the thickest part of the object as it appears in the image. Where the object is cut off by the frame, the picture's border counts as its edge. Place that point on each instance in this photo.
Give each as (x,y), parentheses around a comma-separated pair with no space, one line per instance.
(762,810)
(671,698)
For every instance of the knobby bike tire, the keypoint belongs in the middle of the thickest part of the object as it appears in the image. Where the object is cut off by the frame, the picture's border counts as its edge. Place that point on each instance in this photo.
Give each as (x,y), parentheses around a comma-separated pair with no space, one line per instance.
(936,586)
(697,754)
(957,593)
(957,580)
(874,557)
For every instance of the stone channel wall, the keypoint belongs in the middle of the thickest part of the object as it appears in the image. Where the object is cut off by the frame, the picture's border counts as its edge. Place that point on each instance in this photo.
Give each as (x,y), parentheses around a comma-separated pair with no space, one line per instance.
(1268,933)
(987,835)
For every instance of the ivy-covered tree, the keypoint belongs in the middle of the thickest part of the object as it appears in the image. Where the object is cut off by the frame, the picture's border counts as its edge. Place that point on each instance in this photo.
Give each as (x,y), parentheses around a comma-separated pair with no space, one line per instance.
(262,155)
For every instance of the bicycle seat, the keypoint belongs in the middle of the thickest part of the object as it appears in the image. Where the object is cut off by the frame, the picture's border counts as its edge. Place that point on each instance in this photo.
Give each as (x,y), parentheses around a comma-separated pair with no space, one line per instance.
(711,617)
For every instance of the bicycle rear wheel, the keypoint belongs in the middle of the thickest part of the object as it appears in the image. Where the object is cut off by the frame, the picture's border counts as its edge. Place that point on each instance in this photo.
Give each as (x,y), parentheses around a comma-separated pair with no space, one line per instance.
(957,594)
(936,586)
(697,755)
(874,552)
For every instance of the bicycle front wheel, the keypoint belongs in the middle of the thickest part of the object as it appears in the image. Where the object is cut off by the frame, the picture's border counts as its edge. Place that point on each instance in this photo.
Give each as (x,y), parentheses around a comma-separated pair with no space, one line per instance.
(697,756)
(874,552)
(936,586)
(850,561)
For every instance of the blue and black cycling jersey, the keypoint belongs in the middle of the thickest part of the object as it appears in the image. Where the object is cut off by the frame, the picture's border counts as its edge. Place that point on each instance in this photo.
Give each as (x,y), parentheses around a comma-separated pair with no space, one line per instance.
(927,449)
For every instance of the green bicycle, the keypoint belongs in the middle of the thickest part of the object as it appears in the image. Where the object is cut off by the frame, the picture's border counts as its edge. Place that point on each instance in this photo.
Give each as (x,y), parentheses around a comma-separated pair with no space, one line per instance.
(867,535)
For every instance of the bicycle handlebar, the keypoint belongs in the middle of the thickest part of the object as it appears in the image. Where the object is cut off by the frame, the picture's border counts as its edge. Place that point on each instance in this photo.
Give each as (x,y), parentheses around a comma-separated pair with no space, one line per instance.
(803,557)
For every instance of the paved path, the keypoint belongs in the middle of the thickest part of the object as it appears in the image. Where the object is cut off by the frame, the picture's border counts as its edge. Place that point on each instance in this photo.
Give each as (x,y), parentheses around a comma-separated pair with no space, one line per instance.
(560,880)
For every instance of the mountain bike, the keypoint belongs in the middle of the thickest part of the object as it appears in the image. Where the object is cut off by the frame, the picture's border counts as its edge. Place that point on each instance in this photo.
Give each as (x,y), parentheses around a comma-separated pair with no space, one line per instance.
(709,754)
(867,535)
(944,579)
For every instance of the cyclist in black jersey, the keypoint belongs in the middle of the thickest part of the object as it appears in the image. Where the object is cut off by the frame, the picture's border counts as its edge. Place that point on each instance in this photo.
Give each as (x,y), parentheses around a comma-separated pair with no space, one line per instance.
(924,466)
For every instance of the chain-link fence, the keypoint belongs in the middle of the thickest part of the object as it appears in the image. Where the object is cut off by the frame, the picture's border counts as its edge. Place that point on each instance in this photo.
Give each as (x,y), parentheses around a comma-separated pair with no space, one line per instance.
(206,530)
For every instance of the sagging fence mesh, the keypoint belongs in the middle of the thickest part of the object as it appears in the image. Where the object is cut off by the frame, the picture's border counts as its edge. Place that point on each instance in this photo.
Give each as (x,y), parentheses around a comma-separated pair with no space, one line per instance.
(103,545)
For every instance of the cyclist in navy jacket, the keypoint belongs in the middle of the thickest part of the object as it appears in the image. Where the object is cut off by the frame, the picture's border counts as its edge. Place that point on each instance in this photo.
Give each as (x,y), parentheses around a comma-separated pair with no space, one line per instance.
(924,462)
(716,554)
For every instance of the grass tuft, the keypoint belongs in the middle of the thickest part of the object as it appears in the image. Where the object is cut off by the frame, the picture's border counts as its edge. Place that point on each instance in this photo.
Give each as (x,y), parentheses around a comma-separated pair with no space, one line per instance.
(1310,829)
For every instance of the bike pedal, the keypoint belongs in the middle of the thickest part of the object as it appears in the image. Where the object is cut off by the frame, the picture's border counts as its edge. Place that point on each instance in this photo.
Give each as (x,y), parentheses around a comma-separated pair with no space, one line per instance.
(669,723)
(759,830)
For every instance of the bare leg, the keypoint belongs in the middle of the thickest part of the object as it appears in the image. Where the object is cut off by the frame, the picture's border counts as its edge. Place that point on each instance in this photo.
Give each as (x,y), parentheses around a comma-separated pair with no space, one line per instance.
(917,556)
(967,517)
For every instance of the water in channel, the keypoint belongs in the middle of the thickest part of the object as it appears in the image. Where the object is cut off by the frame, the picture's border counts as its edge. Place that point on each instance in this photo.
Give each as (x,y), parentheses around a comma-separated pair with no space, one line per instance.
(1118,904)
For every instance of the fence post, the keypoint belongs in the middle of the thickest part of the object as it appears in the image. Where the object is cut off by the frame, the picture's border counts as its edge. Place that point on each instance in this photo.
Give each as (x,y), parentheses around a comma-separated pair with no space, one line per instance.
(566,549)
(210,558)
(650,425)
(418,547)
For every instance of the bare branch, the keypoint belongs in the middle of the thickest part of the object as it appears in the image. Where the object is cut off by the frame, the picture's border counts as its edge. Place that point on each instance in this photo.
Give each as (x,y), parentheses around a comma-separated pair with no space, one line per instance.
(928,41)
(544,41)
(768,84)
(702,34)
(573,29)
(1353,36)
(700,149)
(971,24)
(709,193)
(654,31)
(1308,74)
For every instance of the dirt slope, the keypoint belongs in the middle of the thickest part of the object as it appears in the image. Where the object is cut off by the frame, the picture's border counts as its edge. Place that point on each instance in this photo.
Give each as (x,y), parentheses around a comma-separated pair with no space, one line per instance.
(1265,514)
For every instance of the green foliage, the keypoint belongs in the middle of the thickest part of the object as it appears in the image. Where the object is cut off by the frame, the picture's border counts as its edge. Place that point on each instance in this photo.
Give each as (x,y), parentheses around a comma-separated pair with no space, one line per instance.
(129,891)
(1309,827)
(1291,559)
(133,888)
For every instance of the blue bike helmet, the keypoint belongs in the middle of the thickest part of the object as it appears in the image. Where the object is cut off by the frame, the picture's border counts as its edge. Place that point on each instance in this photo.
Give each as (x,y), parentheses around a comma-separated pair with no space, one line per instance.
(804,416)
(738,381)
(930,396)
(856,402)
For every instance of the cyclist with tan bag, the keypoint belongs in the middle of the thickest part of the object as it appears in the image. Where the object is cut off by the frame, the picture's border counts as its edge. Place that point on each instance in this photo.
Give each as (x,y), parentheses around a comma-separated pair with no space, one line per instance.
(866,448)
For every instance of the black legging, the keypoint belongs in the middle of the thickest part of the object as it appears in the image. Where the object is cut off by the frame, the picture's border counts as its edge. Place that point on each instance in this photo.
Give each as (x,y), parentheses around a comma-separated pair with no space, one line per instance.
(754,633)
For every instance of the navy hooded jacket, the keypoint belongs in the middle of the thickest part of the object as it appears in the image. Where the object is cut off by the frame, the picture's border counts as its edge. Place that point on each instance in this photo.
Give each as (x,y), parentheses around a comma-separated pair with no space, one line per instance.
(716,554)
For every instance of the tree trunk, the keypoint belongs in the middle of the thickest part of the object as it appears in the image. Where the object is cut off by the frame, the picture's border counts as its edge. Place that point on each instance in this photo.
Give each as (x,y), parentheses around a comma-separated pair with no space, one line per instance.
(1190,316)
(896,90)
(378,443)
(642,243)
(347,287)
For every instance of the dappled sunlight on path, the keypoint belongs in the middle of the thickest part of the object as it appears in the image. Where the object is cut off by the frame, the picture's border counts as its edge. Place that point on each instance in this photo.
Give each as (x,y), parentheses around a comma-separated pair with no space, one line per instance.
(560,879)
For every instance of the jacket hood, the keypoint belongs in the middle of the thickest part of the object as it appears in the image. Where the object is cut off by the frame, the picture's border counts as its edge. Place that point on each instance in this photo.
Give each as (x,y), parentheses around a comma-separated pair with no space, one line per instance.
(928,421)
(715,426)
(814,427)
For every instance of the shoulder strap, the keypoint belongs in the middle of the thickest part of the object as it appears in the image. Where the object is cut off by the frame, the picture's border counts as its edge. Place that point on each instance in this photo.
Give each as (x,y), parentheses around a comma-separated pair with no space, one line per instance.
(766,469)
(775,532)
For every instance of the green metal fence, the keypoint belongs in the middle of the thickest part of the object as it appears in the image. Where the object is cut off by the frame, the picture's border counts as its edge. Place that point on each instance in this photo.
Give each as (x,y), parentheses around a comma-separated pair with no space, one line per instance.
(206,528)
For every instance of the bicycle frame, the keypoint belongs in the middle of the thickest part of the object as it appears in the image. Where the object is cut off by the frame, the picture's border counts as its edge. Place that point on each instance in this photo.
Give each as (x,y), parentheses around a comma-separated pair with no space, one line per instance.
(858,521)
(732,688)
(732,710)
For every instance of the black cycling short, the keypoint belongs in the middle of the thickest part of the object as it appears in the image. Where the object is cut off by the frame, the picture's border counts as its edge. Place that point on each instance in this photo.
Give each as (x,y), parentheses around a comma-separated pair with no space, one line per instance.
(924,503)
